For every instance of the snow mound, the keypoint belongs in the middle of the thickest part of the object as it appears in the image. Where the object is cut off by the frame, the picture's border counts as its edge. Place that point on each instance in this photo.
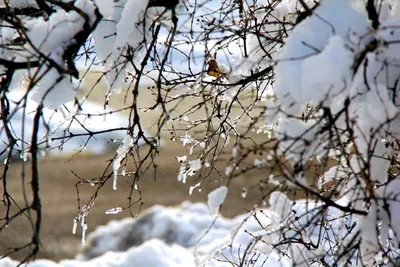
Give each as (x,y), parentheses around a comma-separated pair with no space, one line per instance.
(183,225)
(152,253)
(188,235)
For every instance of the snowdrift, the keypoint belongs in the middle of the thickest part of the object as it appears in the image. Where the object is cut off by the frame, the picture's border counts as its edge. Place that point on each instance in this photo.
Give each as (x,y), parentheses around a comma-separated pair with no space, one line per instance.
(191,235)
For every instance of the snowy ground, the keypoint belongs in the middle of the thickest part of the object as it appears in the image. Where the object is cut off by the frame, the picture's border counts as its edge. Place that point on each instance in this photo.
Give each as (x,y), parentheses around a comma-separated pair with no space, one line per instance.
(194,234)
(159,237)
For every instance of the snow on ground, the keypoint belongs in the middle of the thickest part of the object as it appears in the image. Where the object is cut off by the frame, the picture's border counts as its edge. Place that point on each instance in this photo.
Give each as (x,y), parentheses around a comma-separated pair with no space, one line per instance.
(188,235)
(177,236)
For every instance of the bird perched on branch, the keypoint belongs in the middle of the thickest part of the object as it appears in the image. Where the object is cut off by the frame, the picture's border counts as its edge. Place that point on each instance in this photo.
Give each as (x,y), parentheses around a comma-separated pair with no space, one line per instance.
(216,69)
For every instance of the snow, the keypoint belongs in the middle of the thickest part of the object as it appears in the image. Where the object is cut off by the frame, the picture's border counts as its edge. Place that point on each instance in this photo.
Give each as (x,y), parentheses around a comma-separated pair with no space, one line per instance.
(328,61)
(125,22)
(187,168)
(383,215)
(51,38)
(69,116)
(216,198)
(300,53)
(104,7)
(58,31)
(281,205)
(114,210)
(152,253)
(342,65)
(333,173)
(19,3)
(181,159)
(122,152)
(326,80)
(105,36)
(54,90)
(129,28)
(317,67)
(188,235)
(325,51)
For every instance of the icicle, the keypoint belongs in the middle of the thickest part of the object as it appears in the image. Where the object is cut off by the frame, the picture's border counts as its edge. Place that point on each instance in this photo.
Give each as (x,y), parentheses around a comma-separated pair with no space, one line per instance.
(244,192)
(84,228)
(121,154)
(228,170)
(115,178)
(74,226)
(24,156)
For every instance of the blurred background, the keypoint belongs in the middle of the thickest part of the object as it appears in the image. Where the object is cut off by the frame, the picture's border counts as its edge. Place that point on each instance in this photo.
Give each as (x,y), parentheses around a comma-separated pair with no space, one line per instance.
(58,176)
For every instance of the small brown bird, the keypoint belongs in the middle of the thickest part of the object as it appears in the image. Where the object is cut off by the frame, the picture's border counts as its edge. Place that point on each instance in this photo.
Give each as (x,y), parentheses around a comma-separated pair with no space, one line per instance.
(216,69)
(213,69)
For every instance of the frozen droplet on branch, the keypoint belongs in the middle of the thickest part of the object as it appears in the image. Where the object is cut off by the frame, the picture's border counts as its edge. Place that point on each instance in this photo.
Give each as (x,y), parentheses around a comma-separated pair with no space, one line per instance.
(74,226)
(244,192)
(114,210)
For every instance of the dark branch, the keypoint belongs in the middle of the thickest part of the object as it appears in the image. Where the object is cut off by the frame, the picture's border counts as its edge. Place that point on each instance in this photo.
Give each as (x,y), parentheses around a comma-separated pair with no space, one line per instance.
(373,14)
